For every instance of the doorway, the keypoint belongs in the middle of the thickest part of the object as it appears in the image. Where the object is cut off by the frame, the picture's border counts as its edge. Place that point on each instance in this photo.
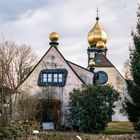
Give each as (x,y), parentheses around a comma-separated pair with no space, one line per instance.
(50,112)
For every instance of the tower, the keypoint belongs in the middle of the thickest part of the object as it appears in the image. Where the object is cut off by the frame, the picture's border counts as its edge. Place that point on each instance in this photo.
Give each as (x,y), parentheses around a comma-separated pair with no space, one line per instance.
(97,39)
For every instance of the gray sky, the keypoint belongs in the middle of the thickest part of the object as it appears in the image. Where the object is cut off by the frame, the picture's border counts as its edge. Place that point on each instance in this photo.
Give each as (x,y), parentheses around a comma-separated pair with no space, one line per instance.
(31,22)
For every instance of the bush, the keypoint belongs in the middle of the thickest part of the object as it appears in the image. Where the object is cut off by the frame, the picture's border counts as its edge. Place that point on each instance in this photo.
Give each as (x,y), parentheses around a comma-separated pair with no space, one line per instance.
(18,129)
(137,126)
(91,108)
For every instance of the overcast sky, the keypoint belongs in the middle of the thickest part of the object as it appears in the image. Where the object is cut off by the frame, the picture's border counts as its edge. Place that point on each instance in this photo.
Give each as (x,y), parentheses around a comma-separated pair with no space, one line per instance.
(31,22)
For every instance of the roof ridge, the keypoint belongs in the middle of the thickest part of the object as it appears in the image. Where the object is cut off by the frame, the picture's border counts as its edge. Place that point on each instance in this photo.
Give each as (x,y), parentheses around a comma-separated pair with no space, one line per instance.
(79,66)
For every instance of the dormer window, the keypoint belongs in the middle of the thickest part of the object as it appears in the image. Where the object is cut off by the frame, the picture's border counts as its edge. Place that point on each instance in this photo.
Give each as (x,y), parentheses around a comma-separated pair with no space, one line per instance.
(52,77)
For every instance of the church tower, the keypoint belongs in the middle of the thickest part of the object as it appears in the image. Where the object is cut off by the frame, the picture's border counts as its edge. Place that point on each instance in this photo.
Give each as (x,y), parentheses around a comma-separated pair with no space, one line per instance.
(97,39)
(103,69)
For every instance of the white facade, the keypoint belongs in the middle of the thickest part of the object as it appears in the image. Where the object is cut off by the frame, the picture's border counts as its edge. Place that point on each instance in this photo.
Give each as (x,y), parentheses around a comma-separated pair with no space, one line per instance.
(118,82)
(54,60)
(76,77)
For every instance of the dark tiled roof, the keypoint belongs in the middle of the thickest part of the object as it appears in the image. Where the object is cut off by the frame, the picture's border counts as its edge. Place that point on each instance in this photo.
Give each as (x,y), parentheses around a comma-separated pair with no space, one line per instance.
(102,61)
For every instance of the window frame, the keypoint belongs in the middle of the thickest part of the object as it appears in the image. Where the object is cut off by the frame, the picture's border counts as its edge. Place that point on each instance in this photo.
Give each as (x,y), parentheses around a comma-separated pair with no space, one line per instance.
(57,77)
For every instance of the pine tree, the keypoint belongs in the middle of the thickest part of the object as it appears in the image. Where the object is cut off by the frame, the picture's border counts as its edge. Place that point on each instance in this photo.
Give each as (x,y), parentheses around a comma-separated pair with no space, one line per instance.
(132,102)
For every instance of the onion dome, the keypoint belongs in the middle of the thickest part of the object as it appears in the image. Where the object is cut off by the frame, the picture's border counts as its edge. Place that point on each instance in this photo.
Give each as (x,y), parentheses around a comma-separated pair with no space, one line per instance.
(97,34)
(54,36)
(100,45)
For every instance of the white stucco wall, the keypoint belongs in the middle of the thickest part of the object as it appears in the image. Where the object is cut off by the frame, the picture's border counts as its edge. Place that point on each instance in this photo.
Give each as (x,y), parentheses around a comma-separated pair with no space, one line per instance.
(52,60)
(118,82)
(114,78)
(84,74)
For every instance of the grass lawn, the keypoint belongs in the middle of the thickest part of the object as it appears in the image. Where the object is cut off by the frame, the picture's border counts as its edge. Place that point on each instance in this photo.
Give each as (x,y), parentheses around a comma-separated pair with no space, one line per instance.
(114,128)
(119,128)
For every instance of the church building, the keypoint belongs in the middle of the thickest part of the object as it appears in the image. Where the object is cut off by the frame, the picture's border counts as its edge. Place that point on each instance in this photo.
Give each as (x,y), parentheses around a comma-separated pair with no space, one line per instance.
(54,77)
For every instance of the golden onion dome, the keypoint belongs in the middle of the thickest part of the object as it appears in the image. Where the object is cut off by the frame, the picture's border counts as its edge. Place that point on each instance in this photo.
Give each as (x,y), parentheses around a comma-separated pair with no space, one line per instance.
(100,45)
(54,36)
(97,34)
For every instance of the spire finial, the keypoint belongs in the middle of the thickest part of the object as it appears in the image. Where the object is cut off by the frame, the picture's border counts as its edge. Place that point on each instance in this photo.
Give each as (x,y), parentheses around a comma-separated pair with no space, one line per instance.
(54,38)
(97,18)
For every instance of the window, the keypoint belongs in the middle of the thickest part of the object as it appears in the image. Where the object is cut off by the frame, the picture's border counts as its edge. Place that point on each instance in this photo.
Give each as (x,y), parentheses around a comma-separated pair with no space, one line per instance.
(60,78)
(55,78)
(92,54)
(44,77)
(52,77)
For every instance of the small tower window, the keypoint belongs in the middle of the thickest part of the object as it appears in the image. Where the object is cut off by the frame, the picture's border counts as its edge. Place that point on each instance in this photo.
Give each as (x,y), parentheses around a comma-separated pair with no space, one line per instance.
(92,54)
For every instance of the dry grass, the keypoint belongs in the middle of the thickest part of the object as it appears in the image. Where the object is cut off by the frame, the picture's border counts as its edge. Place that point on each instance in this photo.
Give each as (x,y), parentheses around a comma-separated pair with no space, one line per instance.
(114,128)
(120,128)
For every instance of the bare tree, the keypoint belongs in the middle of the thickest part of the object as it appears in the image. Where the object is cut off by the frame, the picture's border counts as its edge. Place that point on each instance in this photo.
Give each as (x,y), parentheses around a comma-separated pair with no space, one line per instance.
(16,62)
(28,107)
(127,70)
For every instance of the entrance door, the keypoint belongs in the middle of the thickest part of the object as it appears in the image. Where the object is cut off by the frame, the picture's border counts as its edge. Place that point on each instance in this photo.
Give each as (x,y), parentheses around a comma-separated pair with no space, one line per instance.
(50,112)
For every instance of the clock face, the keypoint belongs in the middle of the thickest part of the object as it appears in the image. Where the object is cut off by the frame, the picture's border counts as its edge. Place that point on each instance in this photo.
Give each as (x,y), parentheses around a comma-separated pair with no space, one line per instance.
(103,77)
